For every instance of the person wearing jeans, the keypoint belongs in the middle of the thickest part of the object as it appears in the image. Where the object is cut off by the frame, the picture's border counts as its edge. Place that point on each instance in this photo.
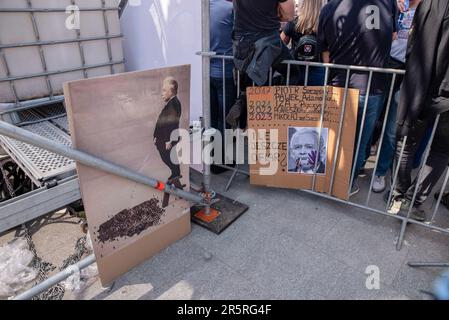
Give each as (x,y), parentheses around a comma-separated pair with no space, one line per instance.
(375,103)
(221,26)
(344,38)
(397,61)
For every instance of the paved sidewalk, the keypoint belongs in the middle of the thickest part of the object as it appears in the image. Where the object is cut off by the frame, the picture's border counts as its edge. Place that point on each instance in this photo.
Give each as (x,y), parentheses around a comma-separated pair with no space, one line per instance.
(288,245)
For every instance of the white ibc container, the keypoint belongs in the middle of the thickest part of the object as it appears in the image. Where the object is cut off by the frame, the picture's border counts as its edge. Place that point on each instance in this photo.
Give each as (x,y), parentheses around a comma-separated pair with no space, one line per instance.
(16,28)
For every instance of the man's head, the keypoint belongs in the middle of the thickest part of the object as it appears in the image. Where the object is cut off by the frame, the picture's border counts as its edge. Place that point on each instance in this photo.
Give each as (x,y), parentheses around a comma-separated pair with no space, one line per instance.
(304,148)
(169,89)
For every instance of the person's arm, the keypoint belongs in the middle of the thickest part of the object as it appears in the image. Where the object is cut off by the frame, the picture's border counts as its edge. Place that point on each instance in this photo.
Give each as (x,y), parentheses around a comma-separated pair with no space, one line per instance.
(326,57)
(286,10)
(286,34)
(285,38)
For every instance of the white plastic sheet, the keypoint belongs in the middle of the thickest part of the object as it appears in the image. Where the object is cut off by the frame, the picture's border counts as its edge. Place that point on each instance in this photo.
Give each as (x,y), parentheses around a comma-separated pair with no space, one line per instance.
(15,258)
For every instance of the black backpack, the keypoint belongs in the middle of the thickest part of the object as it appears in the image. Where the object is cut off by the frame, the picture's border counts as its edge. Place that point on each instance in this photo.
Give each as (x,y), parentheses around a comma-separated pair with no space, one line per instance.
(306,48)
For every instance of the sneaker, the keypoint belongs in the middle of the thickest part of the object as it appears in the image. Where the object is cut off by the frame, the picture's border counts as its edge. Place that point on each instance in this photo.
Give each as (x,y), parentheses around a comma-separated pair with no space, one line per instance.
(395,204)
(354,189)
(379,184)
(418,215)
(362,172)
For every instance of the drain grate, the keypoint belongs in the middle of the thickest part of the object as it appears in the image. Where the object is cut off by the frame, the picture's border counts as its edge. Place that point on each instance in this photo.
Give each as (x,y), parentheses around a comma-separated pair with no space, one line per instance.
(41,164)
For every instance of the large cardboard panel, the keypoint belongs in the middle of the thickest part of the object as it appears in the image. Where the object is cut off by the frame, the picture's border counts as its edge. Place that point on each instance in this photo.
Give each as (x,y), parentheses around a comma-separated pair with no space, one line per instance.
(295,112)
(114,118)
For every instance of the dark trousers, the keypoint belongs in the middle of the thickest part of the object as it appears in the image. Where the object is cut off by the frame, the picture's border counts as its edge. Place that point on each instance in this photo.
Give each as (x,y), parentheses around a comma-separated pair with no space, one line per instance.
(436,163)
(165,156)
(217,102)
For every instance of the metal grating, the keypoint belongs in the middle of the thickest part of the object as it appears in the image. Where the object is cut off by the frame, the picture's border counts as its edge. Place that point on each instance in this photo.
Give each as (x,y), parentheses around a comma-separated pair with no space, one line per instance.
(28,116)
(62,123)
(41,164)
(51,110)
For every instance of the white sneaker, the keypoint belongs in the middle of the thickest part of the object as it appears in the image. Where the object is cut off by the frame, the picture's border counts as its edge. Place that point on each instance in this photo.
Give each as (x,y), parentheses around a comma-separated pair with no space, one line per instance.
(379,184)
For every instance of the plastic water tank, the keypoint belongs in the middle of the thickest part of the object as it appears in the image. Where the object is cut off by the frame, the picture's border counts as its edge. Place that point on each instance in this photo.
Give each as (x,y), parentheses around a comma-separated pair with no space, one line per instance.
(26,23)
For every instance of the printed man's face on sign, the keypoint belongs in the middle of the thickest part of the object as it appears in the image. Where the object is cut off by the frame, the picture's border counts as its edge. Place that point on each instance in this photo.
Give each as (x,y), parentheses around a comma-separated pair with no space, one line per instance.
(167,92)
(304,148)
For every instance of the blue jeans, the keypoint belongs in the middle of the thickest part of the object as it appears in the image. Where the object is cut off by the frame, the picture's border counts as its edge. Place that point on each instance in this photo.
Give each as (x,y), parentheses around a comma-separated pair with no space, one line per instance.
(374,107)
(389,141)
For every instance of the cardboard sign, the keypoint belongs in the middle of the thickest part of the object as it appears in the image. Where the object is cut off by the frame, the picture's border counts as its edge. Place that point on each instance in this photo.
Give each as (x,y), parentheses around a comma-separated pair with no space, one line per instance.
(127,119)
(305,146)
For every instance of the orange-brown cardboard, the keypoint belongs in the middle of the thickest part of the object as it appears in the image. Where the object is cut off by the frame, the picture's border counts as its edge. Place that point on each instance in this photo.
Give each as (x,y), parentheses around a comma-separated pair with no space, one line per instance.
(291,109)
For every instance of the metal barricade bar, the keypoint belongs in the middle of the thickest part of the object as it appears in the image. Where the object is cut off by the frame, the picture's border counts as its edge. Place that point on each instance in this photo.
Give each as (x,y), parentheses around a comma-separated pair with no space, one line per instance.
(395,171)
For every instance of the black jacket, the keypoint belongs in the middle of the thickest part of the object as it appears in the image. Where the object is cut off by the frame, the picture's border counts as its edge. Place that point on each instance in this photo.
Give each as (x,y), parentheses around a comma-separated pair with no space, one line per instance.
(167,122)
(425,90)
(255,54)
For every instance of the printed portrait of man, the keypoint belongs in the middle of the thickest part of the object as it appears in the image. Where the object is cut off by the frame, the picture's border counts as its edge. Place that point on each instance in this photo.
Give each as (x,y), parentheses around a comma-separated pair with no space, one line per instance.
(307,150)
(167,122)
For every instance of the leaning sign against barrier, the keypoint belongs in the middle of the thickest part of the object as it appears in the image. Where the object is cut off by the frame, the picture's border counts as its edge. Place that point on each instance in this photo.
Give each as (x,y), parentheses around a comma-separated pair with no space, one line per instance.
(433,221)
(306,137)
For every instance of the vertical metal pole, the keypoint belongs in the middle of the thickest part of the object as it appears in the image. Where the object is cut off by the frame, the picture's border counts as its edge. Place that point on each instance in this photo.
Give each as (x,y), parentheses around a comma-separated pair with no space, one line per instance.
(381,139)
(396,172)
(41,51)
(223,138)
(323,108)
(205,24)
(270,81)
(440,196)
(106,28)
(417,183)
(81,49)
(306,80)
(340,129)
(288,74)
(362,124)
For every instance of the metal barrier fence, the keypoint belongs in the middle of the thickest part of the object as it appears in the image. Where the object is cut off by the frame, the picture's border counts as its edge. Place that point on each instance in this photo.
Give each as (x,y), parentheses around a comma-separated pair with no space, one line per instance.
(27,137)
(366,204)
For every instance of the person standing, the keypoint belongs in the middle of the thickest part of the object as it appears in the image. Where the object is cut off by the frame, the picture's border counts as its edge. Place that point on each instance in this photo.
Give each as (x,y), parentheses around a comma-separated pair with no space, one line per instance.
(397,61)
(257,46)
(221,26)
(359,33)
(424,95)
(301,35)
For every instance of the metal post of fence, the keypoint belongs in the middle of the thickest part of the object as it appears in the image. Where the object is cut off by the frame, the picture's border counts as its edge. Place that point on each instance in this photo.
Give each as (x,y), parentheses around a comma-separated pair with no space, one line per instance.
(17,133)
(418,181)
(340,129)
(205,24)
(362,124)
(288,74)
(381,139)
(57,278)
(396,172)
(440,196)
(306,77)
(323,108)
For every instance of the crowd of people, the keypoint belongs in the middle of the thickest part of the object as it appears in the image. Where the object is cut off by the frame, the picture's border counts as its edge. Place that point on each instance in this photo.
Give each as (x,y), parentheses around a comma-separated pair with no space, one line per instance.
(411,35)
